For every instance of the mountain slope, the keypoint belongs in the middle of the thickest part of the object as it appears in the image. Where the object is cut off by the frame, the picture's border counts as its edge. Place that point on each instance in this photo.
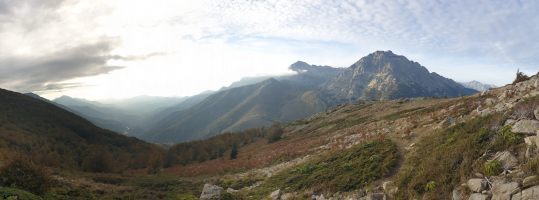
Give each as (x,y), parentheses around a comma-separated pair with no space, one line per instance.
(239,108)
(384,75)
(56,137)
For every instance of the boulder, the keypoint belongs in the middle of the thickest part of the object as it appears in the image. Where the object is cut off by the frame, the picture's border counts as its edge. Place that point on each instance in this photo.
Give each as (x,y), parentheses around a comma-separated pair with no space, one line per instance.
(526,126)
(531,140)
(478,196)
(287,196)
(276,195)
(503,191)
(530,181)
(457,194)
(211,192)
(507,159)
(476,184)
(527,194)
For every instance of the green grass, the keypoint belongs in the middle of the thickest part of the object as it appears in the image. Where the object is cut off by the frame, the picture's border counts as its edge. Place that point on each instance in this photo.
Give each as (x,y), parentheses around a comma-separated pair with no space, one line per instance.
(450,157)
(341,171)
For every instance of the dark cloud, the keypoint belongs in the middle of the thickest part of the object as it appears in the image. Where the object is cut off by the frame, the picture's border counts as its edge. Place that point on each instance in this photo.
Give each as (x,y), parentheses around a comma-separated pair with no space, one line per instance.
(40,73)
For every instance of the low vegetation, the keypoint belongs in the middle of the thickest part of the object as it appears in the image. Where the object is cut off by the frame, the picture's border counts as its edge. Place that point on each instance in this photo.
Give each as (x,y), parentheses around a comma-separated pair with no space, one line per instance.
(339,171)
(449,157)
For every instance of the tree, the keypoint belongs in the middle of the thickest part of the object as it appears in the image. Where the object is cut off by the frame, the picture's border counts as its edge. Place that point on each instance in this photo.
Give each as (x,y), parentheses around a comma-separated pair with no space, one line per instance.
(234,152)
(520,77)
(275,133)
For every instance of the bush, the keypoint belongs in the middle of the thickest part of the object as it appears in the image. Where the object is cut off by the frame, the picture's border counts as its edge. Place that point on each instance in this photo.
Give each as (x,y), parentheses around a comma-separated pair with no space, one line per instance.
(521,77)
(493,168)
(22,173)
(431,185)
(275,133)
(16,194)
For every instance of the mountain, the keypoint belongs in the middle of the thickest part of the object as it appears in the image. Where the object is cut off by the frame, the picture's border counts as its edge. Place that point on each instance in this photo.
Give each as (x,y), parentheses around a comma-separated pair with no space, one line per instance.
(238,108)
(385,75)
(476,85)
(55,137)
(378,76)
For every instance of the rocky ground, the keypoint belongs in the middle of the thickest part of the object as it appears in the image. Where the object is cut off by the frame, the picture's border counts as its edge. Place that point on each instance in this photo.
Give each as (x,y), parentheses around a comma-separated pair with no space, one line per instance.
(512,174)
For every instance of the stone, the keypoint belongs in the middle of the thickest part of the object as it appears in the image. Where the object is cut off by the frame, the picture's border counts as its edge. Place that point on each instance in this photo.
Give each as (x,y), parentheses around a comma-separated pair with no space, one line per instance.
(527,194)
(231,190)
(287,196)
(531,140)
(375,196)
(476,184)
(537,140)
(503,191)
(276,195)
(478,196)
(211,192)
(530,181)
(510,122)
(507,159)
(536,113)
(526,126)
(389,188)
(457,194)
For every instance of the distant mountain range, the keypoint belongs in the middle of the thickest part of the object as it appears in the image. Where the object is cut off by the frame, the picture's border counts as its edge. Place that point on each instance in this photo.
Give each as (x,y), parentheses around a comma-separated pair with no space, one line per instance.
(261,101)
(378,76)
(476,85)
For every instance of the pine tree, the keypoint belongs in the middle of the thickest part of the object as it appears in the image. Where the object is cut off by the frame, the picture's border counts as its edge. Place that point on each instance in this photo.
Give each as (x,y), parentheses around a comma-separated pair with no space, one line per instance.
(234,152)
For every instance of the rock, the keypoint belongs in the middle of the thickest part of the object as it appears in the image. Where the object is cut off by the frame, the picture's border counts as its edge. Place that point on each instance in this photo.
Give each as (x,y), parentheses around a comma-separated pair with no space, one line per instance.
(457,194)
(507,159)
(211,192)
(231,190)
(477,184)
(531,140)
(503,191)
(527,194)
(479,175)
(389,188)
(530,181)
(536,113)
(526,126)
(478,196)
(537,140)
(510,122)
(287,196)
(375,196)
(276,195)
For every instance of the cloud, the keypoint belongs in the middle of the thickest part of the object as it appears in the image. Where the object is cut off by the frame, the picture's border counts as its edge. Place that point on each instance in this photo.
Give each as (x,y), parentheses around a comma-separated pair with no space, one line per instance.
(38,73)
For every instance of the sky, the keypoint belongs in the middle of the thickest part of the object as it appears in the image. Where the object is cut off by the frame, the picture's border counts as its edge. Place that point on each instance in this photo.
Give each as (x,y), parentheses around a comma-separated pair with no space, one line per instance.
(102,49)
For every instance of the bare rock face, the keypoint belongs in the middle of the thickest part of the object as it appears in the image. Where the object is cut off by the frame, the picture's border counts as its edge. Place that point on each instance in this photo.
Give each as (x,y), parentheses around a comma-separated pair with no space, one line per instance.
(526,126)
(503,191)
(507,159)
(476,184)
(211,192)
(478,196)
(527,194)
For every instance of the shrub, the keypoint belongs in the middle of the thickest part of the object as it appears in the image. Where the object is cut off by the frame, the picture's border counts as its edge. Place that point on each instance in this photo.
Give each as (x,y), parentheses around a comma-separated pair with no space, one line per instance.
(506,138)
(521,77)
(275,133)
(22,173)
(12,193)
(431,185)
(493,168)
(99,161)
